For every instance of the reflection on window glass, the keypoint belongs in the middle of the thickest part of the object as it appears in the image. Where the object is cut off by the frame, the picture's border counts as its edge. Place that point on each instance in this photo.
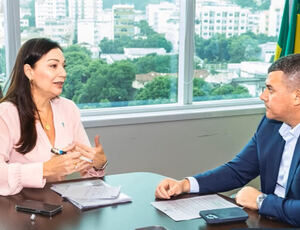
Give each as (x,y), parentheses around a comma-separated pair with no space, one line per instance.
(118,52)
(2,51)
(234,46)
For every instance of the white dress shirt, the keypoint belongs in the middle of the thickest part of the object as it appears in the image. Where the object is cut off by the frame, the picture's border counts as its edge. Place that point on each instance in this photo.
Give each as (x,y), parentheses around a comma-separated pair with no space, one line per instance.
(290,136)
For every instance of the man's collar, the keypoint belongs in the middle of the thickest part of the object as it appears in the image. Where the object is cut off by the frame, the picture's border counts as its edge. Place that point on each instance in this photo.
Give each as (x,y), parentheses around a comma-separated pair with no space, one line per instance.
(286,130)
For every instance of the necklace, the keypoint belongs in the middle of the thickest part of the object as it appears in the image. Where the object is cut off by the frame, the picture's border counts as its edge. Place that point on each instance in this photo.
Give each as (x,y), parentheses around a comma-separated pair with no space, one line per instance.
(45,123)
(47,127)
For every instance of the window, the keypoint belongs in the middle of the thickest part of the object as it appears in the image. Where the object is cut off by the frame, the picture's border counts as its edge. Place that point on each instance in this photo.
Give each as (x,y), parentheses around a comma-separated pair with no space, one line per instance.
(2,51)
(117,54)
(234,64)
(123,54)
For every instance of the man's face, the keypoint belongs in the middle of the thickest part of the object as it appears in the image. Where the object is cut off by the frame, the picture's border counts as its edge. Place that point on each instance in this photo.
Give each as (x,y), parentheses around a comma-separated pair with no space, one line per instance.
(278,98)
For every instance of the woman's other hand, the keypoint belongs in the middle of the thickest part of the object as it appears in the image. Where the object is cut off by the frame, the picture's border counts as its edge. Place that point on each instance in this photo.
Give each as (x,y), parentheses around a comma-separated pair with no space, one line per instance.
(96,154)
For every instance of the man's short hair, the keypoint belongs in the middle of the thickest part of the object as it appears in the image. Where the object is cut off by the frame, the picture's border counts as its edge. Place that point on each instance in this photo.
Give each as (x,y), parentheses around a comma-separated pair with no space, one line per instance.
(290,66)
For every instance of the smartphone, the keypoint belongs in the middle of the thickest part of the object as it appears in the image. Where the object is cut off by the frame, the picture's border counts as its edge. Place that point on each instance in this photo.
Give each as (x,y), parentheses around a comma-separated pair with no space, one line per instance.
(38,207)
(224,215)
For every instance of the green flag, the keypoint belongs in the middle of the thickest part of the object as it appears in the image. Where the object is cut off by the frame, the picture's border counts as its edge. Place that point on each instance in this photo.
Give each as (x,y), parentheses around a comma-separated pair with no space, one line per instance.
(289,36)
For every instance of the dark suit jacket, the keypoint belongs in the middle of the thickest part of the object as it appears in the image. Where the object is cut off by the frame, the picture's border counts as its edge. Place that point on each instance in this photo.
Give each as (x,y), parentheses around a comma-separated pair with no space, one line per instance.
(261,156)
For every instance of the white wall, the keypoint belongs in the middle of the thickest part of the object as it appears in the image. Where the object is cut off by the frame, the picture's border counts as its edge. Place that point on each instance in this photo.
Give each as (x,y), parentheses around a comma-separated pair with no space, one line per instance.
(175,149)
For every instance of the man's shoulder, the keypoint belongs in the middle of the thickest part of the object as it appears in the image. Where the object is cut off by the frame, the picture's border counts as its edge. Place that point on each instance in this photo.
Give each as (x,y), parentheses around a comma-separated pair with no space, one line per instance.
(267,124)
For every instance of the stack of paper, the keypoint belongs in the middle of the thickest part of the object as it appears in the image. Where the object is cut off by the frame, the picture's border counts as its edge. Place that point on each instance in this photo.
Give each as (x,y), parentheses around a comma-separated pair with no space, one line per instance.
(90,193)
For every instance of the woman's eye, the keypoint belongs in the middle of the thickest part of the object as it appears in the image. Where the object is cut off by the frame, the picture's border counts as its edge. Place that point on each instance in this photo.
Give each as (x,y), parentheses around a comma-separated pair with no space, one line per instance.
(53,66)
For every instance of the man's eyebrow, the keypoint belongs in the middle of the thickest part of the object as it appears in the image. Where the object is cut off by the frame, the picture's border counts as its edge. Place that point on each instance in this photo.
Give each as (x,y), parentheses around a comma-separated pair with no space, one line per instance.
(269,86)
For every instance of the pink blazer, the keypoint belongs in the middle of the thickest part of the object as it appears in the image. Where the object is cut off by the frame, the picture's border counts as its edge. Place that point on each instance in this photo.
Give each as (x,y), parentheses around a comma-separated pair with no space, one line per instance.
(18,171)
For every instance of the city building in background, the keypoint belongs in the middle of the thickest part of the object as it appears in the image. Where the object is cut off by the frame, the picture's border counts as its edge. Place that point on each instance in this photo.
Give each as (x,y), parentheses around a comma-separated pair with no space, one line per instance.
(234,45)
(123,20)
(164,18)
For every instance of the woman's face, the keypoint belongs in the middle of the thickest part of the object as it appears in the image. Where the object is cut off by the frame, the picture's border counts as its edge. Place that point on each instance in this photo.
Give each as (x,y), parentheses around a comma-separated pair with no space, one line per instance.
(48,74)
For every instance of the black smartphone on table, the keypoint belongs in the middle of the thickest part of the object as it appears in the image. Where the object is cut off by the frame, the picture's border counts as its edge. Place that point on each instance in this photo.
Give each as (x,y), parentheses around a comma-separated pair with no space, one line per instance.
(38,207)
(224,215)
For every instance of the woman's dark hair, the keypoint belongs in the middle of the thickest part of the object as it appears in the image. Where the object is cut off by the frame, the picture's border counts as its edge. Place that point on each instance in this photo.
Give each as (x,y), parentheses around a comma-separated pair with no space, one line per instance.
(19,91)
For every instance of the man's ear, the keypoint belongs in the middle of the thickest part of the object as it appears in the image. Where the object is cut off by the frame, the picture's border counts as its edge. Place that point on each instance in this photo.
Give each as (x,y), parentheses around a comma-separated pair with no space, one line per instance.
(28,72)
(297,97)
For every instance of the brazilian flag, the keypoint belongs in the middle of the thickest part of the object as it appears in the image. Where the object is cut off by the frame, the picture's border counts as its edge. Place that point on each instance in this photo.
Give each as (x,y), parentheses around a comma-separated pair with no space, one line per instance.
(289,36)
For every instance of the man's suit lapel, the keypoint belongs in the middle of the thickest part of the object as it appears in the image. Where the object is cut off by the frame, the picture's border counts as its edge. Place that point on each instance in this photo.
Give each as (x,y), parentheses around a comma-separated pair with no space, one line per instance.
(294,165)
(274,150)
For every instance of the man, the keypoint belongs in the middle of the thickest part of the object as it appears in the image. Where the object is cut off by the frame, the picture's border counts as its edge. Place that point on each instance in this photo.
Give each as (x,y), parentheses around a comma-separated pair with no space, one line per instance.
(273,153)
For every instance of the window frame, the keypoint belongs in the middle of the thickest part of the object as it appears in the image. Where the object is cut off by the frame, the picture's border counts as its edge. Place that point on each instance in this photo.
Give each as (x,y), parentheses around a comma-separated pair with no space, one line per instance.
(184,109)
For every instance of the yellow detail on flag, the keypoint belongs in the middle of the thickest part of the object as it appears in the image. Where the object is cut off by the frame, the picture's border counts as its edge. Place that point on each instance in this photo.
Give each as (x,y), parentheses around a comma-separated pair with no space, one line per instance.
(297,36)
(277,52)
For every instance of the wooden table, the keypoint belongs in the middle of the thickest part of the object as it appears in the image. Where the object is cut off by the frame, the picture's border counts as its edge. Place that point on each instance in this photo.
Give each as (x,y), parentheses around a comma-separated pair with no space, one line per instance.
(140,186)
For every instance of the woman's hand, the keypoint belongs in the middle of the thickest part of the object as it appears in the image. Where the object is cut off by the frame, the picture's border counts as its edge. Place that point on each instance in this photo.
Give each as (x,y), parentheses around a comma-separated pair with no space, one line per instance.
(60,166)
(96,154)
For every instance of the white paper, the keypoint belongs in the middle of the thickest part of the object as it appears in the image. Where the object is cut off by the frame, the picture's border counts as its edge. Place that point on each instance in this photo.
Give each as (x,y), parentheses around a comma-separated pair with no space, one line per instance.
(99,191)
(64,187)
(91,203)
(90,193)
(94,192)
(189,208)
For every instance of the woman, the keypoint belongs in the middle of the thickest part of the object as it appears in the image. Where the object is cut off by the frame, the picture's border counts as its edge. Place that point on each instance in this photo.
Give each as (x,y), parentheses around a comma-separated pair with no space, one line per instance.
(34,119)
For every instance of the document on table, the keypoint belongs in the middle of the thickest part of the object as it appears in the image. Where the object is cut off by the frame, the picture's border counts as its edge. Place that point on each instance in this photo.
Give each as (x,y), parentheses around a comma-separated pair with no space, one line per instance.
(90,193)
(96,190)
(189,208)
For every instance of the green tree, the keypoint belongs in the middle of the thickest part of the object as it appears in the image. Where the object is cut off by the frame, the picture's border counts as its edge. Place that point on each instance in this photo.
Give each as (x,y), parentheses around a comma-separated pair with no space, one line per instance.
(158,41)
(77,75)
(230,89)
(156,63)
(115,46)
(109,83)
(153,40)
(219,49)
(201,87)
(145,29)
(243,48)
(214,50)
(160,88)
(77,48)
(77,61)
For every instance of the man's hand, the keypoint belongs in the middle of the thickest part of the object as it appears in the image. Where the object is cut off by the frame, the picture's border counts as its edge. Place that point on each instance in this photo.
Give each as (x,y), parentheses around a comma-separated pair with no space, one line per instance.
(247,197)
(170,187)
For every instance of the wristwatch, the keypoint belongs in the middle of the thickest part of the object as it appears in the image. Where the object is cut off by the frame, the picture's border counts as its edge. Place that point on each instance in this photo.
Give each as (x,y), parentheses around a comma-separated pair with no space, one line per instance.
(103,167)
(260,199)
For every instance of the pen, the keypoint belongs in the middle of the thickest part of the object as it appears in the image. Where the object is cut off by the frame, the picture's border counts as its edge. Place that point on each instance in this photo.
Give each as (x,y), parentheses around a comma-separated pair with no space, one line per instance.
(86,159)
(58,151)
(61,152)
